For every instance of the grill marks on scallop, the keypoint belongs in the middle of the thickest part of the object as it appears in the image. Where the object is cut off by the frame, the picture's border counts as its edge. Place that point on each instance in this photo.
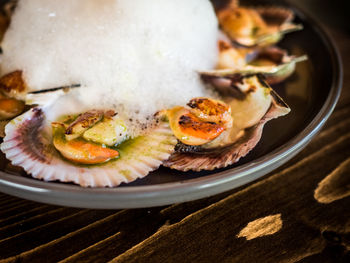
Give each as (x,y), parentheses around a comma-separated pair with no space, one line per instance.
(222,157)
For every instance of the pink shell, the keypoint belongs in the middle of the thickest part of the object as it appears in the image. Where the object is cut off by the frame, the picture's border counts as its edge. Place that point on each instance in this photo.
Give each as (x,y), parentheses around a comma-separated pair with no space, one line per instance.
(231,154)
(27,144)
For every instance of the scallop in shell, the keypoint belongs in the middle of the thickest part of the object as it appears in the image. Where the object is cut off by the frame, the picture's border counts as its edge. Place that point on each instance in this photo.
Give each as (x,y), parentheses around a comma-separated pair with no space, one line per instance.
(11,85)
(28,143)
(272,61)
(16,96)
(256,26)
(253,103)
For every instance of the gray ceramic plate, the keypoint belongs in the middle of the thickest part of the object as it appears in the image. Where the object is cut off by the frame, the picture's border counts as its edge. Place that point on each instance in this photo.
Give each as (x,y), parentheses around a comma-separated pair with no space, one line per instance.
(311,92)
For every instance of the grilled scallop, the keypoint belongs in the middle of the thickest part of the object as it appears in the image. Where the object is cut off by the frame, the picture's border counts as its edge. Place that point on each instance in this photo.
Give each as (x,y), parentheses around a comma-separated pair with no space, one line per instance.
(273,62)
(201,122)
(253,103)
(41,147)
(256,26)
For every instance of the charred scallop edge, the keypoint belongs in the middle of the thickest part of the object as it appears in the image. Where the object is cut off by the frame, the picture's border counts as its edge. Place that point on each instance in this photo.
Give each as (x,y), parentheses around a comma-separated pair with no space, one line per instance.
(227,155)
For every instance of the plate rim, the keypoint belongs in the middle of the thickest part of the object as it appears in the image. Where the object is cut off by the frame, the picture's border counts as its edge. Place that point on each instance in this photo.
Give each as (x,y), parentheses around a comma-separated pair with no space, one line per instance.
(191,189)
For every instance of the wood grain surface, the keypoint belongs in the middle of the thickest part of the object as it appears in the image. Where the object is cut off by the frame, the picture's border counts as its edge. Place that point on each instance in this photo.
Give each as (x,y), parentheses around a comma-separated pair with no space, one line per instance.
(298,213)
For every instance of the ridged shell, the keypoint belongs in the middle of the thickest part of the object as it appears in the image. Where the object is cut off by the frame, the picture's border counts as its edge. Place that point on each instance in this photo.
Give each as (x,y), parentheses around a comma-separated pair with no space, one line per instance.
(226,156)
(28,144)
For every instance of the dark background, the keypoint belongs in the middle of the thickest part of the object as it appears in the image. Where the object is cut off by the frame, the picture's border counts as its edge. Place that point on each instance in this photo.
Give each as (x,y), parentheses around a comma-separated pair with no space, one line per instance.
(207,230)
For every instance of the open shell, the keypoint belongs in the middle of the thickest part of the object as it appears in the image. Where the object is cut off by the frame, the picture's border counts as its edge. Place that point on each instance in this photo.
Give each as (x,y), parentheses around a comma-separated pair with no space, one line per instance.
(28,144)
(280,66)
(253,103)
(225,156)
(271,23)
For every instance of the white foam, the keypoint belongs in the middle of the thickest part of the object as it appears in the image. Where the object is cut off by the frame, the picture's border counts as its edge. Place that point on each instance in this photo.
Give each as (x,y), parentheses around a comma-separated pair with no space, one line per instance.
(141,54)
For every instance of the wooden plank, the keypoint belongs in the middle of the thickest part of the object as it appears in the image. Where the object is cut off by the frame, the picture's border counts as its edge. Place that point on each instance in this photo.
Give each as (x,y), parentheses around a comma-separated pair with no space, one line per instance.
(7,198)
(133,226)
(176,212)
(99,252)
(19,243)
(289,193)
(18,208)
(26,215)
(339,114)
(338,125)
(11,205)
(34,222)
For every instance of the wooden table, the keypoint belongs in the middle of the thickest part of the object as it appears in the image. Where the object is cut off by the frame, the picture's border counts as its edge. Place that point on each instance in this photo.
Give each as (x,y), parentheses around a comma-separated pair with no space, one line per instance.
(298,213)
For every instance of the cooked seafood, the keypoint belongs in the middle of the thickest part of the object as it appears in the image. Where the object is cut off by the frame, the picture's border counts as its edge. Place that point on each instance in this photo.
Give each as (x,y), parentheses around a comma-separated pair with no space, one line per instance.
(15,94)
(82,152)
(96,134)
(92,119)
(272,61)
(123,68)
(211,110)
(11,85)
(107,54)
(256,27)
(204,120)
(28,143)
(256,104)
(10,108)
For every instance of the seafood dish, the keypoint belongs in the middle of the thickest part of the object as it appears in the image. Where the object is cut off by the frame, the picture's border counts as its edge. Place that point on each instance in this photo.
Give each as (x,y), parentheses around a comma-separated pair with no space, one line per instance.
(100,93)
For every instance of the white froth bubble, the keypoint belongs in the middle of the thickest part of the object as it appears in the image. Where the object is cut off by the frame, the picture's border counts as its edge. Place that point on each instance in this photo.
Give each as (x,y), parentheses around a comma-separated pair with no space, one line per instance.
(141,54)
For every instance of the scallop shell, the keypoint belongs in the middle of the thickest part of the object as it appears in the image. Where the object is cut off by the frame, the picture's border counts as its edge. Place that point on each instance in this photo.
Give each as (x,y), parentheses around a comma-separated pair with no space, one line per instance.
(197,160)
(28,144)
(283,68)
(278,20)
(46,97)
(15,88)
